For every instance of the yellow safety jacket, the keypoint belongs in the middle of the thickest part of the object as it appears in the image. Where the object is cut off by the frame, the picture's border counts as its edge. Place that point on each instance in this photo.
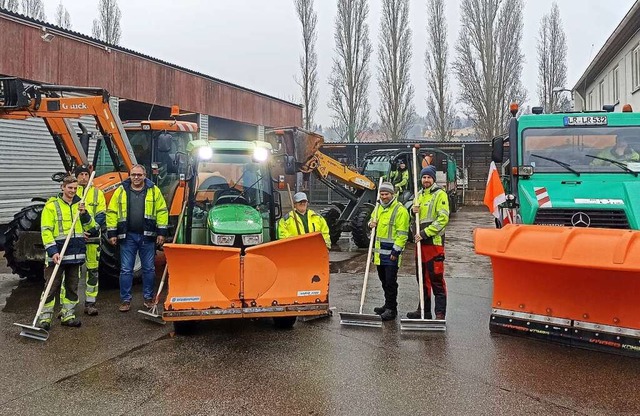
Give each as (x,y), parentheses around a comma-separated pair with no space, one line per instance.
(434,214)
(55,225)
(316,223)
(392,233)
(156,214)
(399,179)
(95,203)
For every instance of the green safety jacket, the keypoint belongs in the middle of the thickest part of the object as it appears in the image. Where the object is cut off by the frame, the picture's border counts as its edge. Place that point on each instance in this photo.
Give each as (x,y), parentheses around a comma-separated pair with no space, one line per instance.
(55,225)
(316,223)
(399,179)
(156,214)
(392,232)
(434,214)
(95,203)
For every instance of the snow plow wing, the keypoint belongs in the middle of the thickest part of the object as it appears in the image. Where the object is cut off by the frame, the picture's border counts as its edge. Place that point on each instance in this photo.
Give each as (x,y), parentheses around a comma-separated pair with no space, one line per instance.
(577,286)
(282,278)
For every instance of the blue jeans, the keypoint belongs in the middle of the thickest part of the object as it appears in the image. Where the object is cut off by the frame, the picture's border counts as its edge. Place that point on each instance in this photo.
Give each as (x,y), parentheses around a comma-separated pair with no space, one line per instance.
(129,247)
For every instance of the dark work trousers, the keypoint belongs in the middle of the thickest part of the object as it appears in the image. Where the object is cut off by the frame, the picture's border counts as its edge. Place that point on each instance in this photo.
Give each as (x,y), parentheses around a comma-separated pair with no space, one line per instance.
(389,278)
(433,275)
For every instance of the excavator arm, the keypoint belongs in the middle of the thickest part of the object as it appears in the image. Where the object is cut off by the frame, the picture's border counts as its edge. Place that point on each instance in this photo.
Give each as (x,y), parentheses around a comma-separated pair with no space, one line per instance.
(328,168)
(18,102)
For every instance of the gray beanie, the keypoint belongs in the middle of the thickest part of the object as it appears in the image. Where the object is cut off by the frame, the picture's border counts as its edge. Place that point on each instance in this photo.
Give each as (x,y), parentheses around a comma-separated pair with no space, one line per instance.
(387,187)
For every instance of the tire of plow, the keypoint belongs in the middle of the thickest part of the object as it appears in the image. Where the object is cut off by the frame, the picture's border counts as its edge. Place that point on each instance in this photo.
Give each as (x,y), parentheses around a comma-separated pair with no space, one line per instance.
(331,215)
(360,226)
(286,322)
(28,219)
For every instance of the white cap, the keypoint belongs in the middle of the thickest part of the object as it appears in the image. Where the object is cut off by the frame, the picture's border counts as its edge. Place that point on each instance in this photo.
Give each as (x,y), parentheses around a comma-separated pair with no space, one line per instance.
(300,196)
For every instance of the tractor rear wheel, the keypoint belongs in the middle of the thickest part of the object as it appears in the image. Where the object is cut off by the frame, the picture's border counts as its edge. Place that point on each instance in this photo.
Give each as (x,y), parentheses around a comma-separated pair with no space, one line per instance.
(28,219)
(109,268)
(332,216)
(360,226)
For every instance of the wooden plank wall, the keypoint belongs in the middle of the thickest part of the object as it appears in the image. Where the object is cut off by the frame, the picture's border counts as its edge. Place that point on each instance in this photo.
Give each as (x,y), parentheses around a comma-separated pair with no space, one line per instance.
(68,60)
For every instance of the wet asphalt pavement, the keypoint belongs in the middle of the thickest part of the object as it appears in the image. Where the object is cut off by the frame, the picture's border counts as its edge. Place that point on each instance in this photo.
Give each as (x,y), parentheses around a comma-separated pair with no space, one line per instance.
(122,364)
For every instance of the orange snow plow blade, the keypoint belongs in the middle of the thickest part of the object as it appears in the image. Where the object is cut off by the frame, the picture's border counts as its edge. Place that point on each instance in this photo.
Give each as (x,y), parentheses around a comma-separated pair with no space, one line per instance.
(577,286)
(282,278)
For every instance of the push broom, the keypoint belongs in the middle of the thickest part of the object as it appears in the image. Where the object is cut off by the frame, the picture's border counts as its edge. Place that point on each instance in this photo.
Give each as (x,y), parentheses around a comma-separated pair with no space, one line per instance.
(32,331)
(421,324)
(360,319)
(153,314)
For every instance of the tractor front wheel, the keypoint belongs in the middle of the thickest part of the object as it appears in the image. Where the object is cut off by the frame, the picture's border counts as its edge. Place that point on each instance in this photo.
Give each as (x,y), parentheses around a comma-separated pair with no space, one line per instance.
(28,219)
(360,226)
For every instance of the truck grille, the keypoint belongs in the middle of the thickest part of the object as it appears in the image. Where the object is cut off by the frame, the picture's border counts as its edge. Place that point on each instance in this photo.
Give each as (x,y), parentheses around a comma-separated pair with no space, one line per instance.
(582,218)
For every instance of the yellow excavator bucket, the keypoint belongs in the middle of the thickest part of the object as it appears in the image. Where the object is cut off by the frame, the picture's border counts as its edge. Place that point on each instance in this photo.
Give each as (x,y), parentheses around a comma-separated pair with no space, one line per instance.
(578,286)
(270,280)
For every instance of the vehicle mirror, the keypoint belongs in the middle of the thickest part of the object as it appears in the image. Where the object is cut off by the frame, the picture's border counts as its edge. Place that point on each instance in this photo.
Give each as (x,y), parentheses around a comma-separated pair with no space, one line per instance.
(165,141)
(84,138)
(497,150)
(289,165)
(277,205)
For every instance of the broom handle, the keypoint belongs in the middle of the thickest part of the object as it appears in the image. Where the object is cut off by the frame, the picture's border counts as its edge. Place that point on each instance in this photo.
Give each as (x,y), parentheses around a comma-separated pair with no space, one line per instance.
(64,248)
(418,244)
(166,264)
(293,211)
(371,241)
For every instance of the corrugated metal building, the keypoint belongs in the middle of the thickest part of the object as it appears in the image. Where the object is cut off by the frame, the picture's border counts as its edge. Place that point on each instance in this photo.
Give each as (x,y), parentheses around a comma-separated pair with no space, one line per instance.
(44,53)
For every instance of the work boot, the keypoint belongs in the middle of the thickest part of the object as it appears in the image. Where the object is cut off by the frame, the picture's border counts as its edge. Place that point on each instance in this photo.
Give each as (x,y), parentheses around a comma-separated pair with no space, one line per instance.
(417,314)
(74,323)
(440,316)
(90,309)
(124,307)
(380,310)
(44,325)
(388,315)
(148,303)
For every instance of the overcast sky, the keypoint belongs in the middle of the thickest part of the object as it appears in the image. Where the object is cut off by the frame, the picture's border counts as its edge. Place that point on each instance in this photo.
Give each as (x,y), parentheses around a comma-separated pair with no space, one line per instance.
(257,43)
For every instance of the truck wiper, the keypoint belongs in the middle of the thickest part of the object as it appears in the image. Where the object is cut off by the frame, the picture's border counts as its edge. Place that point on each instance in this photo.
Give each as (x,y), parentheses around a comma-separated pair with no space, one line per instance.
(615,162)
(559,162)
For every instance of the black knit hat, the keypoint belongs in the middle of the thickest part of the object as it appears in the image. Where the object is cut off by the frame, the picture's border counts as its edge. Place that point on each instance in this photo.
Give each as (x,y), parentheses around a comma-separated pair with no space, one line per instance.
(81,168)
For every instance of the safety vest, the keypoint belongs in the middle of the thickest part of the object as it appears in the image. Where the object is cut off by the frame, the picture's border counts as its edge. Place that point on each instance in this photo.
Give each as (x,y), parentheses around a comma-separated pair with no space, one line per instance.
(399,179)
(55,225)
(434,213)
(156,214)
(95,203)
(392,232)
(316,223)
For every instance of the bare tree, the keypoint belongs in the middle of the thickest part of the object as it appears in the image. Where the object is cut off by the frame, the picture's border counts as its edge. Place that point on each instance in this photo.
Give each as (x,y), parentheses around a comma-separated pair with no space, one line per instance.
(350,74)
(489,62)
(34,9)
(107,26)
(552,60)
(394,81)
(440,112)
(62,17)
(11,5)
(309,60)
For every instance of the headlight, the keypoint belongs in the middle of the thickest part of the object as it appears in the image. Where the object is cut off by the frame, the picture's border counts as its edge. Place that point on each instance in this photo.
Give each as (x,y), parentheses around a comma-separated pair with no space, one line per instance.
(260,154)
(251,239)
(222,239)
(205,153)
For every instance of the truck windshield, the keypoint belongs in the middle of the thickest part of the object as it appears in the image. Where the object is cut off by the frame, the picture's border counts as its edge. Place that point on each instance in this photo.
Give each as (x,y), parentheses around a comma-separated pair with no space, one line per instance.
(376,168)
(234,174)
(583,149)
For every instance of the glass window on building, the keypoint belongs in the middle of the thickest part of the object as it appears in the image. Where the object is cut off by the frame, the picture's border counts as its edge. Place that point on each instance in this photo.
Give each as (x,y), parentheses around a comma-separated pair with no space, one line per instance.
(602,94)
(635,68)
(615,85)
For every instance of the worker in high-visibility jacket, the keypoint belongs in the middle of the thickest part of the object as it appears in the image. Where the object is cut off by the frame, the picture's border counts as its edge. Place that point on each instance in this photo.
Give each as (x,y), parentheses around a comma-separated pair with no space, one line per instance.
(96,204)
(302,220)
(400,177)
(432,208)
(391,220)
(55,226)
(137,219)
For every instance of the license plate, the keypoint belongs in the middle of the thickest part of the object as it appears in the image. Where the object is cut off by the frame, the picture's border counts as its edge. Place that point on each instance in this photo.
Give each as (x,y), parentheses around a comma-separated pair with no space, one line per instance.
(585,121)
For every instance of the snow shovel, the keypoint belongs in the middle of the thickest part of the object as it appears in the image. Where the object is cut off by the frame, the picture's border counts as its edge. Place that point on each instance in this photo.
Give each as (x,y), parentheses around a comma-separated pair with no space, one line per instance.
(360,319)
(153,314)
(421,324)
(32,331)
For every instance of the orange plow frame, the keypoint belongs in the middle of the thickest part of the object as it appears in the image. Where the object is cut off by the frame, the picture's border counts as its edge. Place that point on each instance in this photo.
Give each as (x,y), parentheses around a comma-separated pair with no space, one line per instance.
(282,278)
(577,286)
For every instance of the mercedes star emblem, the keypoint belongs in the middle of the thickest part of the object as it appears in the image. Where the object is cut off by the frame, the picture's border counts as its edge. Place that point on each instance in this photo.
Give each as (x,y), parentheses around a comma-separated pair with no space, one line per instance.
(580,219)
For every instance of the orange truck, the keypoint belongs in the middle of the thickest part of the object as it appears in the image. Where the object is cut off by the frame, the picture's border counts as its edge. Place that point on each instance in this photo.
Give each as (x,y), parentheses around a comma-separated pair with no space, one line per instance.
(156,144)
